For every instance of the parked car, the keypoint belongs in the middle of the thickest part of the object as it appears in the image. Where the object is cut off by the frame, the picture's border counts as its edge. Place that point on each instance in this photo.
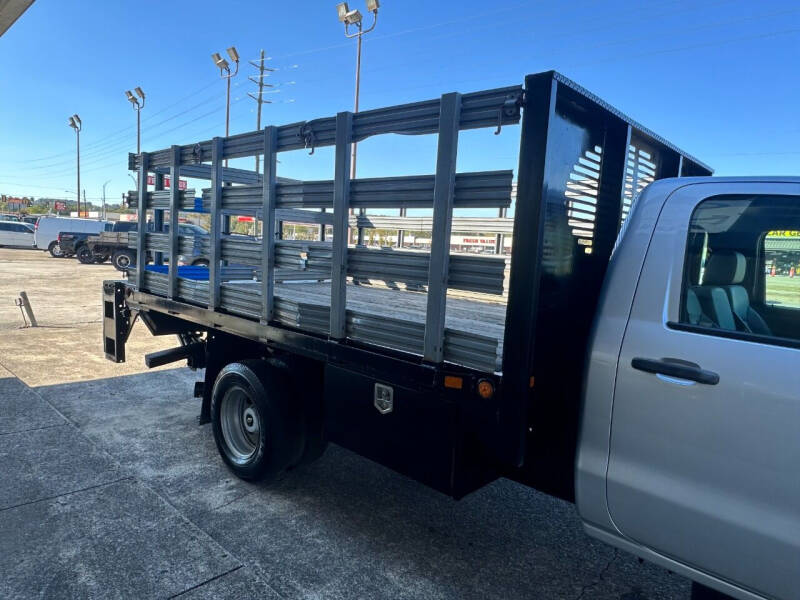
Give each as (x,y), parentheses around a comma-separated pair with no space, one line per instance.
(15,233)
(47,230)
(30,219)
(9,217)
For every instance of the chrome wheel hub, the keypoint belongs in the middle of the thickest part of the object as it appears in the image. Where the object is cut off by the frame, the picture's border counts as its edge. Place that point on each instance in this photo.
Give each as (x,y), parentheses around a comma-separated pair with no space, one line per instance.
(240,424)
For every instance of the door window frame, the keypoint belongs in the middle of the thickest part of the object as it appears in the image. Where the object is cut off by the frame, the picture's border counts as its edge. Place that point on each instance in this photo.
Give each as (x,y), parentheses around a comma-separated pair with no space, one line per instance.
(680,303)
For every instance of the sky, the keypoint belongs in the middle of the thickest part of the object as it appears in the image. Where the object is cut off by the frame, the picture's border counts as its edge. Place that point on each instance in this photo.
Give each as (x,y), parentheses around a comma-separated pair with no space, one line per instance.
(718,78)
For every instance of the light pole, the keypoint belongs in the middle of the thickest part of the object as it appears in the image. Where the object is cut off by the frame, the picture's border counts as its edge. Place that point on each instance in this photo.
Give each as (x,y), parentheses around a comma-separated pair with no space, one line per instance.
(104,198)
(75,123)
(137,106)
(225,73)
(353,17)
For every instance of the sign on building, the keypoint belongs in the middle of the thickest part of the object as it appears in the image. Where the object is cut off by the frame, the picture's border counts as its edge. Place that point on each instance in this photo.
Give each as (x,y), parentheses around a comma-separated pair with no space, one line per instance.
(151,180)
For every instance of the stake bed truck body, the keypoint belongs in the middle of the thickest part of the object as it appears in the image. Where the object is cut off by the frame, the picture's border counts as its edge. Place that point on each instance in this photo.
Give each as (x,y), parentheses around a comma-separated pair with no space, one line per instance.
(633,357)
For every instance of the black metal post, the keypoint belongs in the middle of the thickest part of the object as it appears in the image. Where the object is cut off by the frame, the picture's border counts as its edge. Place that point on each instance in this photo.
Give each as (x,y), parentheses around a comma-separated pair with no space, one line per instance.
(534,156)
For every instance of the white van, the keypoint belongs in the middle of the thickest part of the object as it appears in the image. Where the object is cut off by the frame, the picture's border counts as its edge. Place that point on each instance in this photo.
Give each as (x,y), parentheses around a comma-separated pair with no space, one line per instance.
(48,228)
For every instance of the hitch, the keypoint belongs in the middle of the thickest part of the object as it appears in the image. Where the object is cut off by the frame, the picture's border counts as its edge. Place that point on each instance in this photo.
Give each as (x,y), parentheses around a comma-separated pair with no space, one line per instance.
(194,352)
(118,320)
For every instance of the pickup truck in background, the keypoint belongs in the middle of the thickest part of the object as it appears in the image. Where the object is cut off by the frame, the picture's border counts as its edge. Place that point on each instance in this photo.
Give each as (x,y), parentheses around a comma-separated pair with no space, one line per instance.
(640,359)
(116,244)
(73,243)
(48,227)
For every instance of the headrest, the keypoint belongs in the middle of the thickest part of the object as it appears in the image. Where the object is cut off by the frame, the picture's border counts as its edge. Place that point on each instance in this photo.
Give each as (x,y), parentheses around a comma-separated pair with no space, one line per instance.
(725,268)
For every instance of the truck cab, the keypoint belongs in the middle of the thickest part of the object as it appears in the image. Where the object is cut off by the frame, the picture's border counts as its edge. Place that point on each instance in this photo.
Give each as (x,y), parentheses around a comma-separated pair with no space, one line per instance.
(689,448)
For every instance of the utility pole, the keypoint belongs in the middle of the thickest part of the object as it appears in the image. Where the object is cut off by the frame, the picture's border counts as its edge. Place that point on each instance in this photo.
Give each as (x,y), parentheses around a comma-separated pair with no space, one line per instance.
(85,206)
(263,73)
(104,198)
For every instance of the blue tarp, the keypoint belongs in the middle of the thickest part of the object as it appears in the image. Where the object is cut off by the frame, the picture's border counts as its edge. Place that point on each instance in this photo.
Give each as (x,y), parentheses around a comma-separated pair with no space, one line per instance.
(187,271)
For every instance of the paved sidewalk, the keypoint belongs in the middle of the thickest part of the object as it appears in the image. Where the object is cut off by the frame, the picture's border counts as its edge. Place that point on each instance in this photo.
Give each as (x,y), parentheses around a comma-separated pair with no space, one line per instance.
(112,490)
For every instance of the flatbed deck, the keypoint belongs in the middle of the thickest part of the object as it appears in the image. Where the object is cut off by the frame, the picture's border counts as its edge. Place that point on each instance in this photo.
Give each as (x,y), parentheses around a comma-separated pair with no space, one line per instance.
(416,380)
(474,322)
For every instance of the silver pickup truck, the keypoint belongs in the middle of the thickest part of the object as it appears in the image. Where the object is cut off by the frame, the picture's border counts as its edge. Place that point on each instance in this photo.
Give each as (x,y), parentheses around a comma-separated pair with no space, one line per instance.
(689,450)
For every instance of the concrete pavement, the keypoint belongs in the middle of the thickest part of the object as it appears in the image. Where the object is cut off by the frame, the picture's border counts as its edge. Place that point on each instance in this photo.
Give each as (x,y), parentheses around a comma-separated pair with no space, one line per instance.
(111,490)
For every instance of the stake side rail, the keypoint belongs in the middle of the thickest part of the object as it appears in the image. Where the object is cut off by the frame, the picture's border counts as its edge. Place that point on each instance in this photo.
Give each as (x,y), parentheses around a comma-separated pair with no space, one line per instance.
(581,165)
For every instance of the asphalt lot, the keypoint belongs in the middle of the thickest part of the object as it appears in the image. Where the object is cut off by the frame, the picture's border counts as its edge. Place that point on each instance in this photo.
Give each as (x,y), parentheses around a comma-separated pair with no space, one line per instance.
(110,489)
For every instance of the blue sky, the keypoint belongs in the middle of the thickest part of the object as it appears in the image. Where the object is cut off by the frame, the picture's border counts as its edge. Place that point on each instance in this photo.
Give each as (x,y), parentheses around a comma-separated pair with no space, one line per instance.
(718,78)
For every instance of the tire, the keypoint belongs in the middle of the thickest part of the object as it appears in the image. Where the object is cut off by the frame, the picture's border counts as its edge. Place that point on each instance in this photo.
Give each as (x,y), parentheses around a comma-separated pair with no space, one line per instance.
(84,255)
(200,262)
(55,250)
(123,260)
(257,426)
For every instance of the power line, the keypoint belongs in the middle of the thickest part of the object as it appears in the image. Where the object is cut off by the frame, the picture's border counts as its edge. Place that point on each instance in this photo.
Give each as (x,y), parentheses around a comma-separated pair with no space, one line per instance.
(107,146)
(124,130)
(567,32)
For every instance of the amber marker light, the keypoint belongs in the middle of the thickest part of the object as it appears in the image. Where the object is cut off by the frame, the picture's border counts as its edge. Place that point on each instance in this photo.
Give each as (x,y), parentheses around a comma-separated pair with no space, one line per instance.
(453,382)
(485,389)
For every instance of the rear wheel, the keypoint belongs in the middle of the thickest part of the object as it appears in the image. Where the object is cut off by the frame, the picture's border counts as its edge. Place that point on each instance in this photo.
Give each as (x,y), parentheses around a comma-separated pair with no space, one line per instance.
(84,255)
(200,262)
(123,260)
(55,250)
(257,426)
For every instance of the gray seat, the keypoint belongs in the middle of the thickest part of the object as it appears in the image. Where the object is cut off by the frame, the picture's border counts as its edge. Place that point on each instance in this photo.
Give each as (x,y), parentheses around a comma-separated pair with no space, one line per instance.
(714,303)
(694,311)
(725,271)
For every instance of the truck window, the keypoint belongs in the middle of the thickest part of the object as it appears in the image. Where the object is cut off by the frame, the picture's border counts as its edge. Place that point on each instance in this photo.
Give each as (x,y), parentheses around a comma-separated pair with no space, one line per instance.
(742,273)
(782,268)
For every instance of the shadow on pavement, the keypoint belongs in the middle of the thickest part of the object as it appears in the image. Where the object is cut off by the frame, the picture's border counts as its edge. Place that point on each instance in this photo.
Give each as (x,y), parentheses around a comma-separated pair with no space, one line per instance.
(345,527)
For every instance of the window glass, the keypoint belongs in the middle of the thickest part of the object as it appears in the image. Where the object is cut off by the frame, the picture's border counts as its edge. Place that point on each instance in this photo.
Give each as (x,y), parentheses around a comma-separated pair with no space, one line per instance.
(742,271)
(782,268)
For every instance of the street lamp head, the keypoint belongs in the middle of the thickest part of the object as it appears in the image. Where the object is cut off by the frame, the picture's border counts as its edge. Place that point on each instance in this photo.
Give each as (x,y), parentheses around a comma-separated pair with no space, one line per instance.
(233,54)
(139,92)
(77,120)
(71,122)
(131,99)
(373,5)
(221,63)
(347,16)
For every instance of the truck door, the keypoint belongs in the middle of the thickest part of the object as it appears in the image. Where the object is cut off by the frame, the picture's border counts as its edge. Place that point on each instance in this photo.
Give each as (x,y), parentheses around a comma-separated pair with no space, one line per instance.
(704,463)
